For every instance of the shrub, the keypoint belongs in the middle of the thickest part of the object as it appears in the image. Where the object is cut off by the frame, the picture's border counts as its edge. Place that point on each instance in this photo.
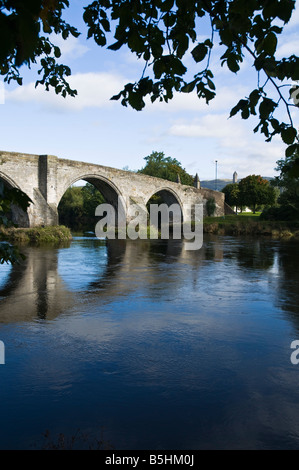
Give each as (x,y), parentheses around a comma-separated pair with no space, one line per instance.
(211,206)
(286,212)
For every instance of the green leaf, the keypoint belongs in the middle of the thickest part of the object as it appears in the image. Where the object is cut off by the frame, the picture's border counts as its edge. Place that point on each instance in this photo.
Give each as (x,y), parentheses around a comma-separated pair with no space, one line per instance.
(245,113)
(189,87)
(199,52)
(240,106)
(275,124)
(270,44)
(159,68)
(136,101)
(288,135)
(293,171)
(285,10)
(211,84)
(57,52)
(266,108)
(178,67)
(117,45)
(65,34)
(290,150)
(254,99)
(232,63)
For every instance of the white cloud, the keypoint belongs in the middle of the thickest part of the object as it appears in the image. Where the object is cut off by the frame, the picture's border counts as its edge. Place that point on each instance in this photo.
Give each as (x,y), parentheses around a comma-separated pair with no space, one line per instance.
(211,125)
(94,91)
(70,48)
(235,144)
(226,98)
(256,158)
(289,46)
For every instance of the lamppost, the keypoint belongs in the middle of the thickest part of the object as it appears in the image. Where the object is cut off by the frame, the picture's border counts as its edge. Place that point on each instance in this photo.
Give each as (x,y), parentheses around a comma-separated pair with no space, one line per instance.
(216,161)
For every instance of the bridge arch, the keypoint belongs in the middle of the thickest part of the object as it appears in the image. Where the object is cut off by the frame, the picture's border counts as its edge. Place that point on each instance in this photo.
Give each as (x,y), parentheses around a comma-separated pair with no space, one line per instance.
(9,181)
(18,216)
(168,196)
(107,188)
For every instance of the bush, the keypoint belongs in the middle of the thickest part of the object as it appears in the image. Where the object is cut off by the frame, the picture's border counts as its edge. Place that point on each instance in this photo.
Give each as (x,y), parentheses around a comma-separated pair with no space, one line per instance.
(286,212)
(211,206)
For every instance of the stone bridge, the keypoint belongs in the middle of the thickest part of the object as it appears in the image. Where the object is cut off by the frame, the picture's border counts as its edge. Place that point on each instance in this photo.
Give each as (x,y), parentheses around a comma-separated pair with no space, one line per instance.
(45,178)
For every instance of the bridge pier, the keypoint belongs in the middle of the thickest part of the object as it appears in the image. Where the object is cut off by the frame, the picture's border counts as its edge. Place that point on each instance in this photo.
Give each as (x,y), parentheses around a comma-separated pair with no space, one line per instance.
(44,211)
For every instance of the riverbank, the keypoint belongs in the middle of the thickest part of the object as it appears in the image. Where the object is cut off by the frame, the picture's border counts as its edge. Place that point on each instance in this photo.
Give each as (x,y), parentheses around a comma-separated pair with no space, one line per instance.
(229,225)
(36,235)
(251,225)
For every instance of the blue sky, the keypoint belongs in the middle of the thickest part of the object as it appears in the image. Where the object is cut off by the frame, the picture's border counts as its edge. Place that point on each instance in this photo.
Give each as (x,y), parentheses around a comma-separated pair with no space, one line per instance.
(92,128)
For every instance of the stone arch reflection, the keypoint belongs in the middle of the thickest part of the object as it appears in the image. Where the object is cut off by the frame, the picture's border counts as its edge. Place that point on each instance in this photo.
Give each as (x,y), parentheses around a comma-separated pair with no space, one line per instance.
(56,281)
(35,289)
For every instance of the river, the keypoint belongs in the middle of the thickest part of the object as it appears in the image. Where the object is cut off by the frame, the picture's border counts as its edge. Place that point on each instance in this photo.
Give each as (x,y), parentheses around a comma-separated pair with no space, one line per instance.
(146,345)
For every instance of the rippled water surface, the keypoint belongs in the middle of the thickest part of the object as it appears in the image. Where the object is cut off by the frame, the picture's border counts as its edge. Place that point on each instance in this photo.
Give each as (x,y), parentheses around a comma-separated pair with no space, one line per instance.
(148,346)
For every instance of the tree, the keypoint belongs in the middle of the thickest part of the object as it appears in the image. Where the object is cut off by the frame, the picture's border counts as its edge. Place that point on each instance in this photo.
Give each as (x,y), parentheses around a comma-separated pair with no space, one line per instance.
(9,196)
(211,206)
(71,206)
(91,199)
(232,194)
(289,187)
(162,33)
(77,206)
(24,37)
(254,191)
(166,167)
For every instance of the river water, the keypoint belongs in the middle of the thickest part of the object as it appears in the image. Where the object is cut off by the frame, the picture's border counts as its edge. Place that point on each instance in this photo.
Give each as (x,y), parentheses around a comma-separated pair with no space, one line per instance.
(145,345)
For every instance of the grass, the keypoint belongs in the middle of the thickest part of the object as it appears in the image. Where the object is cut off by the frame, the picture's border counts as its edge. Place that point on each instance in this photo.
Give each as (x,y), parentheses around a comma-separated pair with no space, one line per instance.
(36,235)
(250,224)
(248,214)
(242,224)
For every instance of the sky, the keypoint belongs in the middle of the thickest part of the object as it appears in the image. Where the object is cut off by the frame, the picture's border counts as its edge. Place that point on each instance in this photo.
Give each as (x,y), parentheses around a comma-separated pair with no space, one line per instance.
(92,128)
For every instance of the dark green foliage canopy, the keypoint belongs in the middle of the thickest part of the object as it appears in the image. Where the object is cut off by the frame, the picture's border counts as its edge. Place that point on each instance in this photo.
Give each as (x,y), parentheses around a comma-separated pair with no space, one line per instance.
(232,194)
(251,191)
(24,39)
(166,167)
(255,191)
(163,33)
(289,187)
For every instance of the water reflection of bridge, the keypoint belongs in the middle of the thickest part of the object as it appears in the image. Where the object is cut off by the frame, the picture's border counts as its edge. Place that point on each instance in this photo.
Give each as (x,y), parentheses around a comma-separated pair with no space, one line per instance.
(41,287)
(37,288)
